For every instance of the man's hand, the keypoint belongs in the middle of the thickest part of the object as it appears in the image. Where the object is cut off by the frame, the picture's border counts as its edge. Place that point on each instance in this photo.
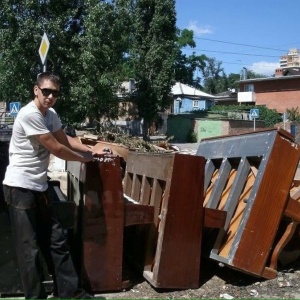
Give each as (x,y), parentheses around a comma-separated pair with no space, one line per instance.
(87,156)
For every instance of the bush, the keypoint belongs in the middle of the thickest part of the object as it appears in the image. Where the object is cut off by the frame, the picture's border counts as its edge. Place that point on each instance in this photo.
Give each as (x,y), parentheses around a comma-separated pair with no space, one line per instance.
(191,136)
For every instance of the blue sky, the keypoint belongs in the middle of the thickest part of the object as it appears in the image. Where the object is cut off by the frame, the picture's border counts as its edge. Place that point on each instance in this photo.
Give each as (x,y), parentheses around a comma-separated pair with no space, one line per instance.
(251,34)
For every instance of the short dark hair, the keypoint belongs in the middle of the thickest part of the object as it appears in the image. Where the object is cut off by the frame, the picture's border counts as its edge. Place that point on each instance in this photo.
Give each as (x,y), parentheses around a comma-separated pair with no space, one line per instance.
(47,76)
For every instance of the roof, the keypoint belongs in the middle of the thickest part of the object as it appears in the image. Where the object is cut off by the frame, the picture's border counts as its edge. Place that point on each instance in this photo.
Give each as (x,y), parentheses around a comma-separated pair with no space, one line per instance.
(180,89)
(270,78)
(291,71)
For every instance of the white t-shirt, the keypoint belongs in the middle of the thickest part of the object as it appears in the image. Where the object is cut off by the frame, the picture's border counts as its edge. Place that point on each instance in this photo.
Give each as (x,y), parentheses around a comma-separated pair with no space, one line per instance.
(28,159)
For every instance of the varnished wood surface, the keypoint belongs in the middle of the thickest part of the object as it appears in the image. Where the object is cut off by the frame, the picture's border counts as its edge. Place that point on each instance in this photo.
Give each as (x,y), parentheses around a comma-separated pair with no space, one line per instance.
(173,184)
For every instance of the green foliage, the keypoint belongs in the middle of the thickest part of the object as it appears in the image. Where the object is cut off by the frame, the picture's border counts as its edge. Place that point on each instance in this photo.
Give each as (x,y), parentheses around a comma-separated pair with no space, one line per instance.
(152,54)
(293,114)
(94,46)
(191,136)
(187,66)
(269,116)
(22,25)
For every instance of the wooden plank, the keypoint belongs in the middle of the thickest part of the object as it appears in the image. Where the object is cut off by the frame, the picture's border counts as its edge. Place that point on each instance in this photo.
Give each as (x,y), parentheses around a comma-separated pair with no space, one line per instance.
(146,190)
(267,213)
(214,218)
(138,214)
(103,225)
(136,187)
(146,163)
(209,171)
(292,210)
(218,187)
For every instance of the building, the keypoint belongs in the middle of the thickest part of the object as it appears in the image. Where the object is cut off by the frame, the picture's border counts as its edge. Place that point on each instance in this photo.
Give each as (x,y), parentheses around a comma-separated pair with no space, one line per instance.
(292,59)
(189,99)
(279,93)
(289,64)
(228,97)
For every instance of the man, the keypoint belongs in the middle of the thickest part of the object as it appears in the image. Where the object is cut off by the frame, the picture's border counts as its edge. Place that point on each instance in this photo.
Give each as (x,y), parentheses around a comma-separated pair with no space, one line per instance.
(37,133)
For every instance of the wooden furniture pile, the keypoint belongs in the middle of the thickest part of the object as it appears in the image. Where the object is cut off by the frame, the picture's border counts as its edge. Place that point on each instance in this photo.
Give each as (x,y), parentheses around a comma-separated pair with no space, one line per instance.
(160,209)
(236,202)
(250,176)
(230,202)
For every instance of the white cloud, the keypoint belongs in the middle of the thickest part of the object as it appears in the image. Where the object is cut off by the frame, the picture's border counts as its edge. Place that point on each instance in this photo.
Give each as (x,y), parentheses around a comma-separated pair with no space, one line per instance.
(263,67)
(199,30)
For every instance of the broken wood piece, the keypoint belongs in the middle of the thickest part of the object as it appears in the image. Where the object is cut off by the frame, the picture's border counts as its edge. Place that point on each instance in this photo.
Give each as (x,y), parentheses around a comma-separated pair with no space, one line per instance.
(214,218)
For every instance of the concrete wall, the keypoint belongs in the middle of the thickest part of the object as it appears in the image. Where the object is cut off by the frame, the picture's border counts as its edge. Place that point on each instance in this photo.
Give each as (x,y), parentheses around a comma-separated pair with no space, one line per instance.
(208,128)
(180,125)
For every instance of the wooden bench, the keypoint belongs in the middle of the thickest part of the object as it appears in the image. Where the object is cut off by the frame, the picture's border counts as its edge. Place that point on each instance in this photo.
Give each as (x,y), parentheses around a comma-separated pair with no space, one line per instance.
(168,252)
(102,214)
(249,176)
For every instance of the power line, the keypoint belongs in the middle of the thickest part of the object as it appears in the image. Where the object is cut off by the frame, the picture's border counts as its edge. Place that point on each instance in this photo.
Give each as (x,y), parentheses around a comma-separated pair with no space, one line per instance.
(236,53)
(246,45)
(242,64)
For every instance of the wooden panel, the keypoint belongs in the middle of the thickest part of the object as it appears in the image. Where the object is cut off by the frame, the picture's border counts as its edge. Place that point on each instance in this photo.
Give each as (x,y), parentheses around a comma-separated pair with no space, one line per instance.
(100,222)
(267,213)
(254,194)
(138,164)
(173,245)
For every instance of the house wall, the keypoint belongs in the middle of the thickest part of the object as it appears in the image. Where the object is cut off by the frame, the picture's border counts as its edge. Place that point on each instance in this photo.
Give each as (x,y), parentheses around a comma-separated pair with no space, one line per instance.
(186,105)
(276,94)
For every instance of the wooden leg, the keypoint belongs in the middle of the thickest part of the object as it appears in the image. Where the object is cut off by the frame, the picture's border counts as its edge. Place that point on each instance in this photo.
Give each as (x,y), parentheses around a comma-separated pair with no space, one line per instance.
(289,232)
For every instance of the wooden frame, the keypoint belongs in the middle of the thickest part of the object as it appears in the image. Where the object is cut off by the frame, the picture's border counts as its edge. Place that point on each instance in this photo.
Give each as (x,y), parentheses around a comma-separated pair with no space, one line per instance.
(102,214)
(249,176)
(171,247)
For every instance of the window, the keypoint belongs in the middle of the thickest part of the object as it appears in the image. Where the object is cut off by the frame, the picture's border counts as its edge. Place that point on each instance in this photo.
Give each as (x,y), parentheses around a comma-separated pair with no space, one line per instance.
(195,103)
(249,88)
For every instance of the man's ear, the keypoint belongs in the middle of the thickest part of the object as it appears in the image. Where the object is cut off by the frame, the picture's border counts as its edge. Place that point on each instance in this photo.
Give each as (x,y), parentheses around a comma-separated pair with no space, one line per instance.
(35,90)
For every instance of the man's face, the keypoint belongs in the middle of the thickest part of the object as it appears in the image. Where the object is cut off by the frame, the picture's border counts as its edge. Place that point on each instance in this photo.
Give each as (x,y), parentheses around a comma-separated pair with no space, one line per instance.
(46,94)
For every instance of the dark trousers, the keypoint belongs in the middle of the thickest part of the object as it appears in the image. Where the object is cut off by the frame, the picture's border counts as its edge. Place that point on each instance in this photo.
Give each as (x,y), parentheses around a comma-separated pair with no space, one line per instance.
(36,232)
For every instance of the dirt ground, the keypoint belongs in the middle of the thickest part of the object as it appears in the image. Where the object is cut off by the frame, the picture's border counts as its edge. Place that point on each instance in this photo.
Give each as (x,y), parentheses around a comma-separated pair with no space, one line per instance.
(222,283)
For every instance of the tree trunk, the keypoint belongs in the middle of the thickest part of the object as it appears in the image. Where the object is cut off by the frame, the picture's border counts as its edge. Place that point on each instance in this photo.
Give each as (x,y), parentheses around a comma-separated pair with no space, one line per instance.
(146,130)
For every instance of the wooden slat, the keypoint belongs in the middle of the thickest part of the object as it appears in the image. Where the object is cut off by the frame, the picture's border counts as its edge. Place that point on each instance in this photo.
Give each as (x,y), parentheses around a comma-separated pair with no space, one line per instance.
(138,214)
(146,190)
(219,184)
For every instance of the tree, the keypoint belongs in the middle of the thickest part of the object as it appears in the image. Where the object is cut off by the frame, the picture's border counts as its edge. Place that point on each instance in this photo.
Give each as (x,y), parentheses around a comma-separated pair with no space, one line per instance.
(152,54)
(187,66)
(251,74)
(233,80)
(103,42)
(293,114)
(22,25)
(86,47)
(212,73)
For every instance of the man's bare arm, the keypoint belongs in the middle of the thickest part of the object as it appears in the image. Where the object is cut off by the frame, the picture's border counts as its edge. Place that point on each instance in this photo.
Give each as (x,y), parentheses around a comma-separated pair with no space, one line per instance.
(61,149)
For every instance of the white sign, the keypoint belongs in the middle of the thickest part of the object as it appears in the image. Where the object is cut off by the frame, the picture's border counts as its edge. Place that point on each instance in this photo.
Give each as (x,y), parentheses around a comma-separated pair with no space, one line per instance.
(44,47)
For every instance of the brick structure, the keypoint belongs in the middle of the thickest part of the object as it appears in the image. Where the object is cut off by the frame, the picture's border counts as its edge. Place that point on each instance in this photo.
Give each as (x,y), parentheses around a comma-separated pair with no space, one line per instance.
(278,93)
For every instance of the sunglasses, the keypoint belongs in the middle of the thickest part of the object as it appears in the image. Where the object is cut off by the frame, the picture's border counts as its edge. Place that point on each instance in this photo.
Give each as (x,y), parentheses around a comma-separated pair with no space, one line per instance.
(48,92)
